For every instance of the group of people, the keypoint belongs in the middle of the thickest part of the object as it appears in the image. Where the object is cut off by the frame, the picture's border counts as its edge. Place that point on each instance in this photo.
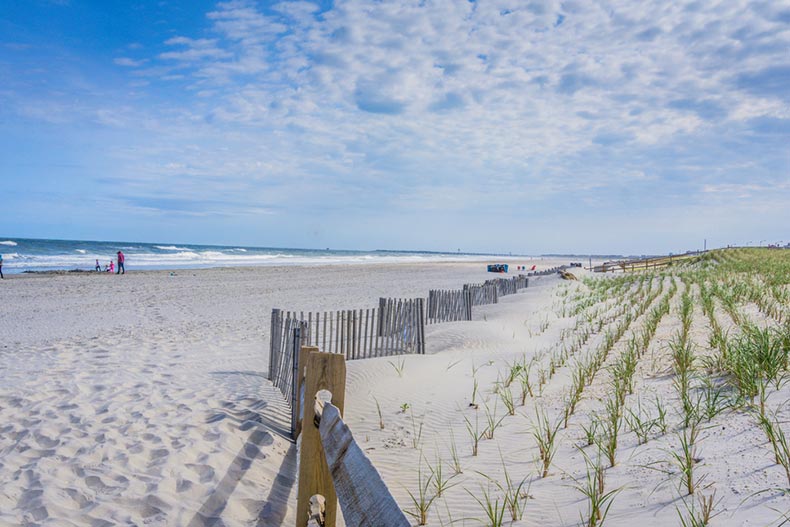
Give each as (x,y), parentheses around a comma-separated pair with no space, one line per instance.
(110,267)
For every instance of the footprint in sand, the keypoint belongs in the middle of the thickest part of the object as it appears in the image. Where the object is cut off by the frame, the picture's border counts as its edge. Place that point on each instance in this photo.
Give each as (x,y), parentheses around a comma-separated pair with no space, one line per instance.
(44,441)
(204,472)
(36,515)
(135,448)
(212,436)
(80,499)
(28,498)
(158,454)
(97,485)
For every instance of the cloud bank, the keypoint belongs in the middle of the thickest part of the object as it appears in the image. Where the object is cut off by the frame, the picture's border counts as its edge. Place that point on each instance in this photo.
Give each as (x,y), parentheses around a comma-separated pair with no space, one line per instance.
(425,124)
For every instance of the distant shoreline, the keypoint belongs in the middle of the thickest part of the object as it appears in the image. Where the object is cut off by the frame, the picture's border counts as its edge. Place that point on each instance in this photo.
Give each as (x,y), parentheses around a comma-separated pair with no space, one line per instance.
(23,255)
(131,269)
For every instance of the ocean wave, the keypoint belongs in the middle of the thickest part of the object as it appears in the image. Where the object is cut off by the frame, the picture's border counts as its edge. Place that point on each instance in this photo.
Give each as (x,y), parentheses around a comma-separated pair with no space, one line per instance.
(171,248)
(221,257)
(9,243)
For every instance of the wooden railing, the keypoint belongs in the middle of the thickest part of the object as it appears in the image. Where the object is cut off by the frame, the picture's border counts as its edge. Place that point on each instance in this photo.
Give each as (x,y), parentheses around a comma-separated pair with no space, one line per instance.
(643,264)
(332,466)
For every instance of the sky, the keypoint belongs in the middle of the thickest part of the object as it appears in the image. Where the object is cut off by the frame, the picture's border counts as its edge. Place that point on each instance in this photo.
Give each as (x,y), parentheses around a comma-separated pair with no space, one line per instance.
(504,126)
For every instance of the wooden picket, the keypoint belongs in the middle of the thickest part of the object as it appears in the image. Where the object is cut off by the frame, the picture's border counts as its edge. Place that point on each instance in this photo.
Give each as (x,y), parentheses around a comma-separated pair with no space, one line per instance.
(449,306)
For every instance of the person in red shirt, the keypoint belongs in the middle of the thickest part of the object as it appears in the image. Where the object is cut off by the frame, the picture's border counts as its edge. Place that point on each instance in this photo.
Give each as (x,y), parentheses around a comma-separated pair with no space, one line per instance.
(121,259)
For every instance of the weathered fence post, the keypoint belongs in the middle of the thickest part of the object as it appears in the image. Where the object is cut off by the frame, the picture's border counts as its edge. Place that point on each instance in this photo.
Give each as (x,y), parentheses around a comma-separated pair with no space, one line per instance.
(299,402)
(468,301)
(382,309)
(295,351)
(421,324)
(274,341)
(325,371)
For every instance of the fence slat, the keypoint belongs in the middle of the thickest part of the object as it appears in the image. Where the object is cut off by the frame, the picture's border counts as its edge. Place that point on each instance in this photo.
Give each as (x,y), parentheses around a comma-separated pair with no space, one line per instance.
(325,371)
(364,498)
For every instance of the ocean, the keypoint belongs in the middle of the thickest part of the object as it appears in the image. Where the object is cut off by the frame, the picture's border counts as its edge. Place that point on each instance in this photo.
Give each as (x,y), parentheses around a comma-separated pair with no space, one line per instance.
(20,255)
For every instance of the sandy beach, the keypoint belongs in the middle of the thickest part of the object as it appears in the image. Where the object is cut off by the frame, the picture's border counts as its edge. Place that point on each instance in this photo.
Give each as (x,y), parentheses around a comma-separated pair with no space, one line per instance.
(143,400)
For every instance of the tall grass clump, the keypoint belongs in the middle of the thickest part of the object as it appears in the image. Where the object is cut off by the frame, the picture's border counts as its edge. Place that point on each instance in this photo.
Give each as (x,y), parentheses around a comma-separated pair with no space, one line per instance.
(514,492)
(545,434)
(756,359)
(593,487)
(493,421)
(423,499)
(685,459)
(776,436)
(525,381)
(492,508)
(683,366)
(611,421)
(475,434)
(640,422)
(699,514)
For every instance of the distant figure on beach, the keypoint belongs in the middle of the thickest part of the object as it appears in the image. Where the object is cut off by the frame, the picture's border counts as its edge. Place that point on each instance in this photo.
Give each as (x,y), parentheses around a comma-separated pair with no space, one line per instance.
(98,265)
(1,266)
(111,267)
(121,259)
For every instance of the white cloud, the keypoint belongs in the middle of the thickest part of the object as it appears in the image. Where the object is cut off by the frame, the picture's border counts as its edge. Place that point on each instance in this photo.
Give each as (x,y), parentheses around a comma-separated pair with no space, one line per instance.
(196,50)
(131,63)
(430,105)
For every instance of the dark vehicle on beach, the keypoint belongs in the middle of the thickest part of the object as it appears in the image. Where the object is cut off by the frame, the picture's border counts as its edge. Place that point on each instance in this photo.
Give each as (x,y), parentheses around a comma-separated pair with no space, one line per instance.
(497,268)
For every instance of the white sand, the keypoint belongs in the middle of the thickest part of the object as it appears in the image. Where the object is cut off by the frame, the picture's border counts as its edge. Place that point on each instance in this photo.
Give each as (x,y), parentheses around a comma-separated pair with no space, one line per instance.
(142,399)
(734,456)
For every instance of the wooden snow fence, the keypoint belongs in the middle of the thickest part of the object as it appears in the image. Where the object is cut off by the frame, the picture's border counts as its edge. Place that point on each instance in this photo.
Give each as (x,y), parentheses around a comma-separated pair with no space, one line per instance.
(396,327)
(332,466)
(449,306)
(547,272)
(288,334)
(482,294)
(508,286)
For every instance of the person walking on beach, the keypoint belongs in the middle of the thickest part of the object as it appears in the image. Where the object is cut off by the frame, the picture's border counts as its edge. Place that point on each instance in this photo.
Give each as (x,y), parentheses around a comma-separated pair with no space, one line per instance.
(121,259)
(1,266)
(98,265)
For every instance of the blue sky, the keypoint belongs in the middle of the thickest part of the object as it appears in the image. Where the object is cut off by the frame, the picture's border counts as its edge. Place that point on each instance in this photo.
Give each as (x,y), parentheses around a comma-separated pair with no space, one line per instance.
(486,126)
